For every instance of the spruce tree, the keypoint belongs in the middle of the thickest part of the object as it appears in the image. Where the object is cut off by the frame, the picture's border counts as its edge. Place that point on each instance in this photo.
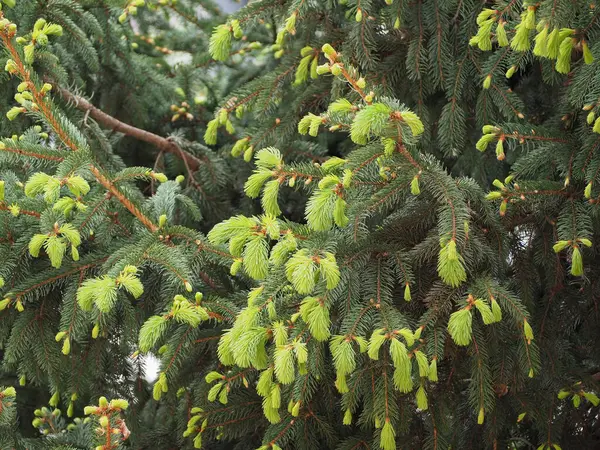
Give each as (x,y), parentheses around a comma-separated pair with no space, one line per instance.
(362,224)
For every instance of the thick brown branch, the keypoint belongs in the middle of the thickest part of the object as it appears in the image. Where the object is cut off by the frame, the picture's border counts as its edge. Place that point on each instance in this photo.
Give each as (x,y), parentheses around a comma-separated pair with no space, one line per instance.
(129,130)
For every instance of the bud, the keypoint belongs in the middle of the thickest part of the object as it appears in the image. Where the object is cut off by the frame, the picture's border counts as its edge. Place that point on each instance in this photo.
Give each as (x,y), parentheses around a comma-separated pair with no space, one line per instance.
(323,69)
(14,112)
(66,348)
(162,221)
(576,262)
(487,82)
(511,71)
(11,66)
(500,150)
(74,253)
(42,39)
(591,117)
(503,206)
(180,179)
(104,422)
(306,51)
(329,51)
(237,30)
(188,286)
(119,404)
(95,331)
(489,129)
(501,36)
(54,399)
(15,210)
(90,410)
(494,195)
(359,15)
(248,153)
(9,392)
(361,83)
(414,186)
(530,18)
(296,409)
(22,380)
(290,23)
(587,55)
(336,69)
(562,394)
(235,267)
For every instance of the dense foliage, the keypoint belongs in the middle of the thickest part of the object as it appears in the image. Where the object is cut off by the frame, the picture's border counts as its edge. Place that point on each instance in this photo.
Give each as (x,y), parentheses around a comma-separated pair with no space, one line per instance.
(299,210)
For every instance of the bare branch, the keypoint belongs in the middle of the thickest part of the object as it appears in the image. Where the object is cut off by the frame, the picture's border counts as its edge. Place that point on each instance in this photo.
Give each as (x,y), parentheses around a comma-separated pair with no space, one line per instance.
(109,121)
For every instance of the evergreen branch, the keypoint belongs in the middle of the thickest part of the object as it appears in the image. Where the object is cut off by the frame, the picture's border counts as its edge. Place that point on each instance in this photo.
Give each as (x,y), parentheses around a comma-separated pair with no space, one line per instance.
(59,277)
(167,266)
(92,212)
(508,102)
(355,85)
(519,193)
(4,207)
(481,376)
(439,33)
(508,6)
(232,105)
(282,432)
(178,349)
(232,421)
(128,204)
(592,22)
(591,152)
(23,152)
(202,246)
(45,109)
(114,124)
(525,137)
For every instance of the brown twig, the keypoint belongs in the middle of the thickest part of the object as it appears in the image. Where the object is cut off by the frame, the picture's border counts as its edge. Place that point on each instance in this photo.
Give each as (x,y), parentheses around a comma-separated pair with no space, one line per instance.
(114,124)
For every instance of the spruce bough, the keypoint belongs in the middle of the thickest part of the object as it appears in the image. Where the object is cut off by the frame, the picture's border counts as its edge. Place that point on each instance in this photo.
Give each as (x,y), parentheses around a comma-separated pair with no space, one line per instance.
(390,282)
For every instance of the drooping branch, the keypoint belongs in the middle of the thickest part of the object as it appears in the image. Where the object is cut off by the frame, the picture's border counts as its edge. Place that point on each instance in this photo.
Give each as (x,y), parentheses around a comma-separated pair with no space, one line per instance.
(114,124)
